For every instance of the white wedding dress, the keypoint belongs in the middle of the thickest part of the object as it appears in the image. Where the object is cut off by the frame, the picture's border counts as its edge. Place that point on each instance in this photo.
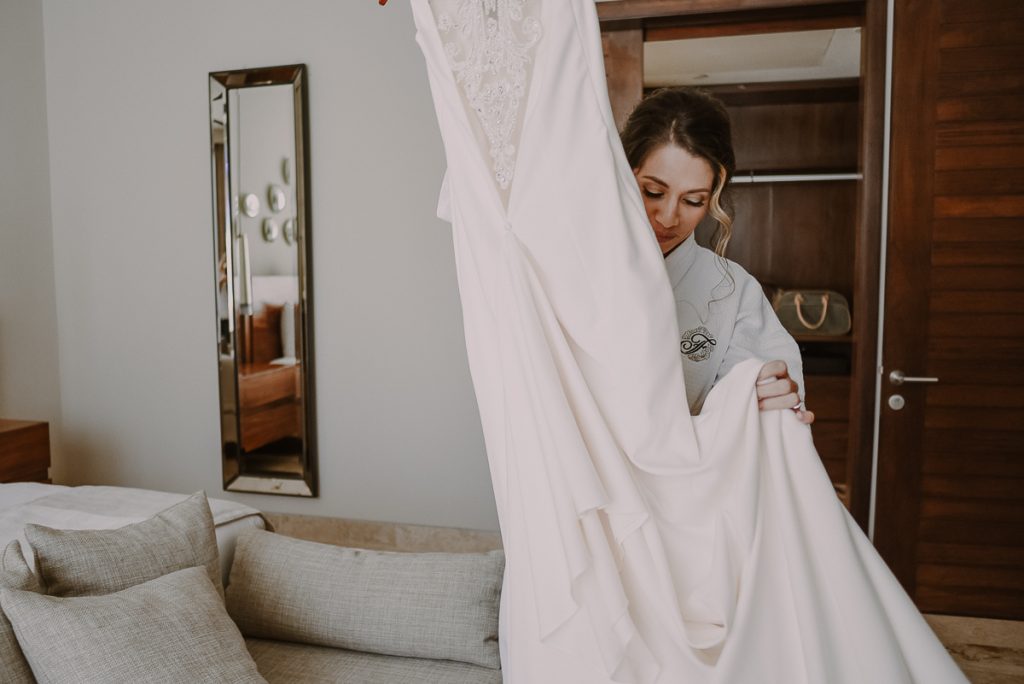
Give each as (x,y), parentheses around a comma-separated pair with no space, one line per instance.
(643,545)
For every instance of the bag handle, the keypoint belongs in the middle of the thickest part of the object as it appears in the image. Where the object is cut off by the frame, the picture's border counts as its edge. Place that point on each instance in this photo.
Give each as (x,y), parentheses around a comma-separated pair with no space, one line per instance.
(799,299)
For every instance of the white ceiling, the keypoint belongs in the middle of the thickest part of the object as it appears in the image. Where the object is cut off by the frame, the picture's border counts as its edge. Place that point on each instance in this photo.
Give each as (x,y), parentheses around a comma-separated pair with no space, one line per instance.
(795,56)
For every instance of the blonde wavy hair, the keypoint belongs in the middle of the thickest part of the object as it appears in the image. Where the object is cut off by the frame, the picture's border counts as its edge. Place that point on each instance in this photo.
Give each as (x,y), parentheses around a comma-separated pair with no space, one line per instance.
(723,233)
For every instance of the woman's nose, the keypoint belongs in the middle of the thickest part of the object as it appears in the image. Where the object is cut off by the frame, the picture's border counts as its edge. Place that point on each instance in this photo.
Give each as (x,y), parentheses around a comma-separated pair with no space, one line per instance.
(667,216)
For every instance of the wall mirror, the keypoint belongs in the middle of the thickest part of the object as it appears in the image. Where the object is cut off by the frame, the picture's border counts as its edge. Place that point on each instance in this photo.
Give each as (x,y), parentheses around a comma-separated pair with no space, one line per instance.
(260,175)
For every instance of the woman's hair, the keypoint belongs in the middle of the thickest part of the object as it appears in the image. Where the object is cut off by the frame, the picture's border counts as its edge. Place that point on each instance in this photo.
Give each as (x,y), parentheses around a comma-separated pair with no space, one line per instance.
(696,122)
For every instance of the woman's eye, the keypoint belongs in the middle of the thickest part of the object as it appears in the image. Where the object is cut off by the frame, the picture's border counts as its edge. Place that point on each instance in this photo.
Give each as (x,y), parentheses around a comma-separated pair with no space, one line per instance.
(695,202)
(652,194)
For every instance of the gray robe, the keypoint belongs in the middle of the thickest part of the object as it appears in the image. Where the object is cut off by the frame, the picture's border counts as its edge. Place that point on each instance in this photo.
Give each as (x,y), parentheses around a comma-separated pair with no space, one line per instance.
(723,320)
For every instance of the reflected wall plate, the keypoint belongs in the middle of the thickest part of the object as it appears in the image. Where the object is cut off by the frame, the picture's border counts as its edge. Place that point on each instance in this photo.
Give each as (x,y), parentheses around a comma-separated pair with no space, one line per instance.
(270,229)
(288,231)
(250,205)
(277,198)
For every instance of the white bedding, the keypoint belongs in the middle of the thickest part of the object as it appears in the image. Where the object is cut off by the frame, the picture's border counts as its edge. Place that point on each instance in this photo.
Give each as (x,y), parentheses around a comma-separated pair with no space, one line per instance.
(101,508)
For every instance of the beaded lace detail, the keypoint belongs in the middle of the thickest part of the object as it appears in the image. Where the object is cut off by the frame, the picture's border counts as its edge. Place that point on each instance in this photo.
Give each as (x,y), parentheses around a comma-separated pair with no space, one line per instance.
(489,44)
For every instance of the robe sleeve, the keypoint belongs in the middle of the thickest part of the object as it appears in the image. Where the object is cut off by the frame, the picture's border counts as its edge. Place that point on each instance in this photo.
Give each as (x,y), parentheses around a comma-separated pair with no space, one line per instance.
(759,334)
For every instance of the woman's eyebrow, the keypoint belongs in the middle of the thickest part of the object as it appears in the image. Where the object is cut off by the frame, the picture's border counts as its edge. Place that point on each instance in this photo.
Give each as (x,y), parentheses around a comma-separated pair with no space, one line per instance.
(664,184)
(656,180)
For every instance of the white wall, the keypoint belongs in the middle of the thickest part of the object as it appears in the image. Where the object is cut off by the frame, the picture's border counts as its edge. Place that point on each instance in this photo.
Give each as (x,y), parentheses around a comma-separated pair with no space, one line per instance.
(126,85)
(29,380)
(264,126)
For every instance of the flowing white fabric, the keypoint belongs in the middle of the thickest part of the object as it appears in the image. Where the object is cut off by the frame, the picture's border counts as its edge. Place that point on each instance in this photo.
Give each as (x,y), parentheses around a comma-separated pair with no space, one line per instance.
(642,545)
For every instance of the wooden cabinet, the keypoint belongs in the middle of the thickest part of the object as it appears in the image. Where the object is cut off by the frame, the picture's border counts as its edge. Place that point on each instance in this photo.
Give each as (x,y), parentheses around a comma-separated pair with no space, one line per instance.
(802,234)
(24,451)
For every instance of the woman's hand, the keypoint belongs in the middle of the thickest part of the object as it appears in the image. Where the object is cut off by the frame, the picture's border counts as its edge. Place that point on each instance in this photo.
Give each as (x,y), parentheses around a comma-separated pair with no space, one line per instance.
(776,390)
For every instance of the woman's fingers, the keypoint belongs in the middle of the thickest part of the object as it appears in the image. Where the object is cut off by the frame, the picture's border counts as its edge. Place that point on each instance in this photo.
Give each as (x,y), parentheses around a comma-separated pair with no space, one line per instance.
(784,401)
(773,369)
(787,401)
(776,391)
(804,416)
(777,388)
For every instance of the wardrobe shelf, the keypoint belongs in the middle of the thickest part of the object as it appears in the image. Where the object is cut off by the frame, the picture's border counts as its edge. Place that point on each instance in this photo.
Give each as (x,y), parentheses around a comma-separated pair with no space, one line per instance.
(824,338)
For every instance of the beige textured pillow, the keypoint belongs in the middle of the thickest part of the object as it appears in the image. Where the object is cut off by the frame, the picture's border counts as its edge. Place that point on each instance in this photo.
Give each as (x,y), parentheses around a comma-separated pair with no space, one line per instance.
(170,629)
(422,605)
(94,562)
(14,574)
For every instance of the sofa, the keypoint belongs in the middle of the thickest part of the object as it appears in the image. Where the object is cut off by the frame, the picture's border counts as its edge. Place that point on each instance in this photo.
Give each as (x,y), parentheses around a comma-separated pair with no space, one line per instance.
(146,602)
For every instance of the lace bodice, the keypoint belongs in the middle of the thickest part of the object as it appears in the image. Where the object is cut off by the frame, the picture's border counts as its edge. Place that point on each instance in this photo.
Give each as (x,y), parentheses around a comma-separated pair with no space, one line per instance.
(490,46)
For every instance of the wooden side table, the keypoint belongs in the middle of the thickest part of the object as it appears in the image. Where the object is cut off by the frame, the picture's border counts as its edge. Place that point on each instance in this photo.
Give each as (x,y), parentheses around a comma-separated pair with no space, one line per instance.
(24,451)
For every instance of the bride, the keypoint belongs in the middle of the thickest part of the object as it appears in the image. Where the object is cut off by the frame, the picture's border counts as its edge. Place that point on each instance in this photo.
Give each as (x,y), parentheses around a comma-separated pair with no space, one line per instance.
(678,142)
(642,544)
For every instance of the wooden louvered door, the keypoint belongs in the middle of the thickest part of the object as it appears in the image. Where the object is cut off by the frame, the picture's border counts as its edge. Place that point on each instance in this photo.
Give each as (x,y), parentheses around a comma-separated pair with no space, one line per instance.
(950,505)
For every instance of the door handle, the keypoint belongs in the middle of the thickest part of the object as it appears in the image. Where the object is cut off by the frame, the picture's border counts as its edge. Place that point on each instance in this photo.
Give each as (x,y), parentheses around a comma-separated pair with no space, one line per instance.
(898,378)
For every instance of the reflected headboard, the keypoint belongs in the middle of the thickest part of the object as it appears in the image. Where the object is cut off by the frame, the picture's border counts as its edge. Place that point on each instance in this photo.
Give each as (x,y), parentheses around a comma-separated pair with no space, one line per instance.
(275,300)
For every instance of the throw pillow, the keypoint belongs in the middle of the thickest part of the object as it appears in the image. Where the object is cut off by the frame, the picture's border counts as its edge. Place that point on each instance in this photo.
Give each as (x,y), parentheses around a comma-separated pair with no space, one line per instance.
(14,574)
(169,629)
(94,562)
(422,605)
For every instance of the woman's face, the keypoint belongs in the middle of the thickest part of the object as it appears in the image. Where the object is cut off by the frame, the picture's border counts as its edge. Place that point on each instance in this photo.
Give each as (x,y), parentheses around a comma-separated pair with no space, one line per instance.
(676,187)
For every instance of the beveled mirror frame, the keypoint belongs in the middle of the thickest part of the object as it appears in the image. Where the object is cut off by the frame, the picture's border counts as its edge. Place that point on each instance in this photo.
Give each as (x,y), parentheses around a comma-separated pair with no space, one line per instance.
(233,319)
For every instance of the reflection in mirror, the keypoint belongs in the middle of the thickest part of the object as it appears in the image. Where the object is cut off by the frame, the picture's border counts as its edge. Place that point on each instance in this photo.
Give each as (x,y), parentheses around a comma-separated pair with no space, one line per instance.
(258,136)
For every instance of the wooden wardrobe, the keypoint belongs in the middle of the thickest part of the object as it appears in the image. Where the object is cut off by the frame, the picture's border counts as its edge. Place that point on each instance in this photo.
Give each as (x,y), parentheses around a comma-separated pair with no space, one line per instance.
(932,509)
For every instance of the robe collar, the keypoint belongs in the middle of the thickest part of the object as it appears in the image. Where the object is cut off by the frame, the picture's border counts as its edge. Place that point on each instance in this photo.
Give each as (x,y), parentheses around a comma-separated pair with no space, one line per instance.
(680,259)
